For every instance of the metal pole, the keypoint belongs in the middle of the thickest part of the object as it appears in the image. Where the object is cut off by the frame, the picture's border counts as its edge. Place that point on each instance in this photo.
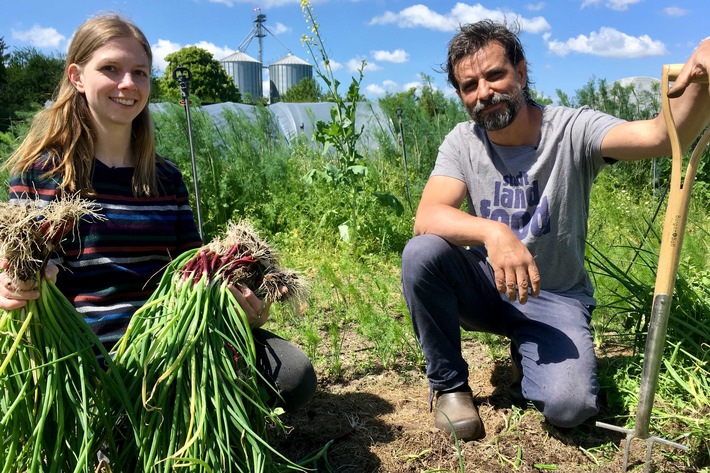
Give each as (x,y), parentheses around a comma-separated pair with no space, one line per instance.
(183,76)
(404,157)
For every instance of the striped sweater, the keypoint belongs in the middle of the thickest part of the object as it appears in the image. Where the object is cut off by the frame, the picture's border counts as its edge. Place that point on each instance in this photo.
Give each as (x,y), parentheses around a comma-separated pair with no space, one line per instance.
(110,267)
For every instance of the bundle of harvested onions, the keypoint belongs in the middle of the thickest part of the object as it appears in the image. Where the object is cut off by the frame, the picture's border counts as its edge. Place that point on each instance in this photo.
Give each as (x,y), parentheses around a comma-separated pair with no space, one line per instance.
(188,356)
(58,405)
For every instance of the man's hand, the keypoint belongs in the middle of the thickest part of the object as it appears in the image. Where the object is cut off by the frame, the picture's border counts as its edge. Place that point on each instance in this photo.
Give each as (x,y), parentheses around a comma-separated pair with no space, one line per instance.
(696,67)
(514,266)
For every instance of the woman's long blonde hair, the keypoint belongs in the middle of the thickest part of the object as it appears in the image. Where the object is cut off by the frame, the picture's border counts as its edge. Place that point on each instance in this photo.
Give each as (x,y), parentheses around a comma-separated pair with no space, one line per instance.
(64,130)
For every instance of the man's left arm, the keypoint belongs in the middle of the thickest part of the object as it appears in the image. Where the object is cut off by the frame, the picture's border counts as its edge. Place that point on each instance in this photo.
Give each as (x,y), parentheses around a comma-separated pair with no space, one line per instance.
(690,106)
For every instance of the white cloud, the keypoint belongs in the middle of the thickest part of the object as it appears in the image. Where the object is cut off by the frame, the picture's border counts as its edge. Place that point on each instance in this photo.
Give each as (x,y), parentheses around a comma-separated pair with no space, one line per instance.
(374,89)
(386,87)
(413,85)
(40,37)
(161,49)
(675,11)
(335,66)
(217,52)
(421,16)
(259,3)
(355,64)
(618,5)
(608,42)
(389,86)
(536,6)
(280,28)
(416,16)
(396,56)
(164,47)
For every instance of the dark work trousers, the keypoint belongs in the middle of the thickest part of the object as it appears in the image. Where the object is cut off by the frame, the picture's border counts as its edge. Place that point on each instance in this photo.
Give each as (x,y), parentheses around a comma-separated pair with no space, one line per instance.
(287,369)
(447,287)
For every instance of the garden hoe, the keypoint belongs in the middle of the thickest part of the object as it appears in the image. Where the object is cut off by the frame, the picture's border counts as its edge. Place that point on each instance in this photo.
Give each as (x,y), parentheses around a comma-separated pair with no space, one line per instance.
(183,76)
(671,242)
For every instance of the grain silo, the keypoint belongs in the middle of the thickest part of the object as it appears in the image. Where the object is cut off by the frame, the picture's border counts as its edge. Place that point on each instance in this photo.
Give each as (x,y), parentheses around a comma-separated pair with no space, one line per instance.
(245,72)
(286,73)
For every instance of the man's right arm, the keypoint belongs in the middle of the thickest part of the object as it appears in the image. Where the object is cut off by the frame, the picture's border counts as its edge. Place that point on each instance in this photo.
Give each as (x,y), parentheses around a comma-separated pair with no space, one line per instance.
(440,213)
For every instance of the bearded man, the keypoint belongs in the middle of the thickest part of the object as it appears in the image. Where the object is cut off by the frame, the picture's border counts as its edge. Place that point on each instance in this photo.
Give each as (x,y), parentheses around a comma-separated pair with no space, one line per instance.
(512,263)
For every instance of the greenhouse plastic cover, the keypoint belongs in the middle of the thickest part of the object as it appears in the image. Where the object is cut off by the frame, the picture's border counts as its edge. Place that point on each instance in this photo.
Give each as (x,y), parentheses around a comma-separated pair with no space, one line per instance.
(299,119)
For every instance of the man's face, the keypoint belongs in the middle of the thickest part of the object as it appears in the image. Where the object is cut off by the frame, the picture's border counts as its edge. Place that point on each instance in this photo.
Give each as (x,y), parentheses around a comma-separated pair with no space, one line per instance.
(490,87)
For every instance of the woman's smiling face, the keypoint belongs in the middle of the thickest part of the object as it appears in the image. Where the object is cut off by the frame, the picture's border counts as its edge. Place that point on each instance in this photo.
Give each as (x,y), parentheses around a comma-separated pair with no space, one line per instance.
(115,82)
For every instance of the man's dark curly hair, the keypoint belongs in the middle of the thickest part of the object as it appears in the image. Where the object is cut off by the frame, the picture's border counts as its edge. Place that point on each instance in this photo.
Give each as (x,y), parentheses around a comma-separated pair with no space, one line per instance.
(474,36)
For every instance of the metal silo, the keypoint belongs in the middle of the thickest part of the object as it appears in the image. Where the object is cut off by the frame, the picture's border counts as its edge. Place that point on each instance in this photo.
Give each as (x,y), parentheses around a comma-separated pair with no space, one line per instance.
(245,71)
(286,73)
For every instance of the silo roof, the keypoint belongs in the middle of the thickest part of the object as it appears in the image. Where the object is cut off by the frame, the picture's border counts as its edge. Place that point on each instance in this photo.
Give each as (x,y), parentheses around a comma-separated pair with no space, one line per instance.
(239,56)
(291,59)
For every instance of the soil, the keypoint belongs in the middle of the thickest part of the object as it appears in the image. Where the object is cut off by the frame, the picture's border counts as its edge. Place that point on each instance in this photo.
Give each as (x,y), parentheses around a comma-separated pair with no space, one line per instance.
(380,422)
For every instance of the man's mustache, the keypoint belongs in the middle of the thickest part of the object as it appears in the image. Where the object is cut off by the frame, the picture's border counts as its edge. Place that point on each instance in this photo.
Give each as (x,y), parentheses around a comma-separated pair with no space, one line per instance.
(496,99)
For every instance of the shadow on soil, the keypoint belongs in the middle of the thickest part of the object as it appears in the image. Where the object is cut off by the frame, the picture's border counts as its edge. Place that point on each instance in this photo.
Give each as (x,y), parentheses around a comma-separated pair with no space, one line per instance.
(348,420)
(587,435)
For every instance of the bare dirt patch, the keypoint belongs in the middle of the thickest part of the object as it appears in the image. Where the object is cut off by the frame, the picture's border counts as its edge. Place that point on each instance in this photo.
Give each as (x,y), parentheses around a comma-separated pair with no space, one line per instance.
(380,422)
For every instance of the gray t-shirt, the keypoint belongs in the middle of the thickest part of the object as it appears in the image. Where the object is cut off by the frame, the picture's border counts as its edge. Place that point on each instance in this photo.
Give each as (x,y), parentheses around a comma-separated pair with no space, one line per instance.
(542,192)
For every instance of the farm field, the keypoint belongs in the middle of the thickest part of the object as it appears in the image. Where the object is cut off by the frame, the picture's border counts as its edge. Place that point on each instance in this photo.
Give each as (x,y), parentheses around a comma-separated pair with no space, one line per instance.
(379,422)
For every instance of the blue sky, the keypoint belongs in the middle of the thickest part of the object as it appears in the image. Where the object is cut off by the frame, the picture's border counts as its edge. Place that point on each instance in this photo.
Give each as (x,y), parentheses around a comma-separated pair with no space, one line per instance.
(567,41)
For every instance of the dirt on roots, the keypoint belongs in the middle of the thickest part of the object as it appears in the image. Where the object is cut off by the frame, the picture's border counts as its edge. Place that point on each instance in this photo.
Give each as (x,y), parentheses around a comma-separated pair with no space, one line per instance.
(380,422)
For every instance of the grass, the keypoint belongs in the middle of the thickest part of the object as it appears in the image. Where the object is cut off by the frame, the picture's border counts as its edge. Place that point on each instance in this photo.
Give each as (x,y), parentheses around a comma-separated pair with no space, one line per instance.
(245,172)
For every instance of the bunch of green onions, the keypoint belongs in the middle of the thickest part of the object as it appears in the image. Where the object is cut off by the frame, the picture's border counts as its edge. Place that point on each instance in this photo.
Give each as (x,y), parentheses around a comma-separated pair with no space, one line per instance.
(58,406)
(189,360)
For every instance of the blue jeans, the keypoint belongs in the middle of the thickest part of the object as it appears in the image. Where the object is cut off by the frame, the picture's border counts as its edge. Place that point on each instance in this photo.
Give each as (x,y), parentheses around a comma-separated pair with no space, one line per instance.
(447,287)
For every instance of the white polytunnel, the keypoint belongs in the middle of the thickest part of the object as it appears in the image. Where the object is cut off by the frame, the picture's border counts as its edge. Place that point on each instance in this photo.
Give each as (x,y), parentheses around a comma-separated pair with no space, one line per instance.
(294,120)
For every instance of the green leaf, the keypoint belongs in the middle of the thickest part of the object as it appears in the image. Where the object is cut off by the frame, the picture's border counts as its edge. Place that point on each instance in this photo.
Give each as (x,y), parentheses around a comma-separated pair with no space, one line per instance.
(389,200)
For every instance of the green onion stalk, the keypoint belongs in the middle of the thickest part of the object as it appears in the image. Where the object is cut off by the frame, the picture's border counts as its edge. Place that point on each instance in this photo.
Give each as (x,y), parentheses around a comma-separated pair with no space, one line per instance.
(58,406)
(188,359)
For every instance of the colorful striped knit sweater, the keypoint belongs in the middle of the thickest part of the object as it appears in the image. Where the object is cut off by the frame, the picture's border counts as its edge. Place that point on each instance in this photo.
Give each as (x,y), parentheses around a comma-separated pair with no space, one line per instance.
(109,268)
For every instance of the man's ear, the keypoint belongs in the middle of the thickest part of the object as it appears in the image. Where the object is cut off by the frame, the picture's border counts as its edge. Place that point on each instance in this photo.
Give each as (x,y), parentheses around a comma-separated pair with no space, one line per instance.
(522,69)
(75,77)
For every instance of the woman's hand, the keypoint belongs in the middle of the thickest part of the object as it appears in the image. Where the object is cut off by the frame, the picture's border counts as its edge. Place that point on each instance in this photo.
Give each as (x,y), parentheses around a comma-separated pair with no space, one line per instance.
(256,309)
(15,295)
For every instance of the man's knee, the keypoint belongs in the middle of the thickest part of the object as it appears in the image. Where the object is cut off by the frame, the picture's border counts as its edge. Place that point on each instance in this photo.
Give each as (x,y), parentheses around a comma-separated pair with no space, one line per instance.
(421,252)
(568,408)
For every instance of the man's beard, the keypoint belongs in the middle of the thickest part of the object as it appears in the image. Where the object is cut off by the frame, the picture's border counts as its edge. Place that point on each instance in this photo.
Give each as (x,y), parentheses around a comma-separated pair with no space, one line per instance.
(497,120)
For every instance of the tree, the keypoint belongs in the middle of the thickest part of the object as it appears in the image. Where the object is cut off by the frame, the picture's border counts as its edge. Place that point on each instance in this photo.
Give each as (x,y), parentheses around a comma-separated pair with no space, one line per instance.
(30,81)
(209,84)
(539,97)
(3,58)
(308,90)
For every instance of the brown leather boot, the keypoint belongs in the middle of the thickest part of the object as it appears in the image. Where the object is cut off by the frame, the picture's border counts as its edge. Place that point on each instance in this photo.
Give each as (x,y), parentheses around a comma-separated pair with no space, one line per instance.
(456,414)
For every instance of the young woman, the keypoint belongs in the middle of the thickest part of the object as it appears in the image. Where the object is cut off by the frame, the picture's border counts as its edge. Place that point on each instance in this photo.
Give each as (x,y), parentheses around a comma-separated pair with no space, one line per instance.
(97,139)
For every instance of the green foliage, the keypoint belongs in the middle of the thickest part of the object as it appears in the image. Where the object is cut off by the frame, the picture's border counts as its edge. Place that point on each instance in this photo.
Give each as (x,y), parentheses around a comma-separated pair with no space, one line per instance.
(239,163)
(3,58)
(209,84)
(306,91)
(628,103)
(623,257)
(31,78)
(345,167)
(426,117)
(539,98)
